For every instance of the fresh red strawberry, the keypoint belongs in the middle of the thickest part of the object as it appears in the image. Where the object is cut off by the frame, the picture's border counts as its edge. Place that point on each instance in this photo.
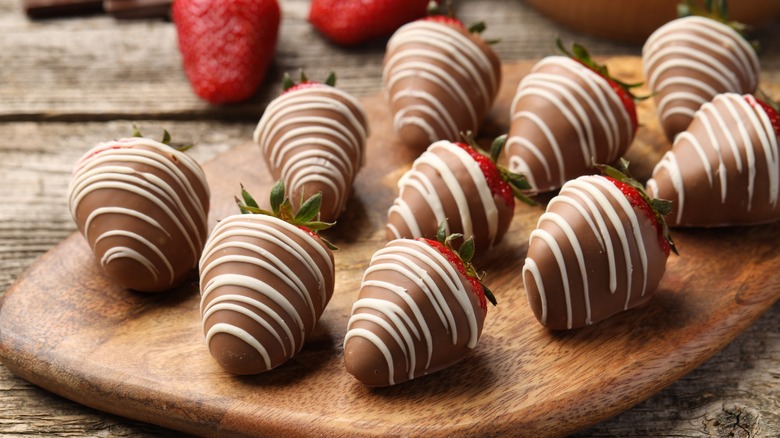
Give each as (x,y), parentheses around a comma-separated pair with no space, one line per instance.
(724,168)
(455,184)
(142,205)
(599,249)
(568,114)
(266,278)
(226,45)
(351,22)
(421,308)
(441,79)
(690,60)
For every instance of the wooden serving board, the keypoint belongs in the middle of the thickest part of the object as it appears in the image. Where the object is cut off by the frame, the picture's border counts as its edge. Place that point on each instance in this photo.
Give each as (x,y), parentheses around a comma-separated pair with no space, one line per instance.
(67,328)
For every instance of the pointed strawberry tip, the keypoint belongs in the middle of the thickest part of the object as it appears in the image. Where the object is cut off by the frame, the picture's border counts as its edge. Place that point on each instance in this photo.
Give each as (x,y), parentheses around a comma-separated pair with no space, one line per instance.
(654,209)
(461,260)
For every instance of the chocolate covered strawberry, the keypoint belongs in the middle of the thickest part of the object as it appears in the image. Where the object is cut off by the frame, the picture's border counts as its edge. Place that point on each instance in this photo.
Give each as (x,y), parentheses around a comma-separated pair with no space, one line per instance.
(420,309)
(600,248)
(725,168)
(440,78)
(568,114)
(226,45)
(456,185)
(688,61)
(313,138)
(142,206)
(351,22)
(266,277)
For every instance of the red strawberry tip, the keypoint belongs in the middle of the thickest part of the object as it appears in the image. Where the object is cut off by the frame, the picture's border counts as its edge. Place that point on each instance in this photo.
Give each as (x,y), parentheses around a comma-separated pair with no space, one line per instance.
(655,209)
(502,182)
(461,259)
(281,208)
(580,53)
(289,85)
(770,107)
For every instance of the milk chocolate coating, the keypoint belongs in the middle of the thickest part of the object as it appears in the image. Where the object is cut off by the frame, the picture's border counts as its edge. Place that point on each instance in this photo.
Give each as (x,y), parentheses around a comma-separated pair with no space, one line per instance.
(446,183)
(142,206)
(592,255)
(313,138)
(440,81)
(564,118)
(688,61)
(724,170)
(415,314)
(264,285)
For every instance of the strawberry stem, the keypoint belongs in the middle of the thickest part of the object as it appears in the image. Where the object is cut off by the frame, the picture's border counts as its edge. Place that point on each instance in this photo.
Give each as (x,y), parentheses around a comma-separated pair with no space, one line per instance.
(282,208)
(580,53)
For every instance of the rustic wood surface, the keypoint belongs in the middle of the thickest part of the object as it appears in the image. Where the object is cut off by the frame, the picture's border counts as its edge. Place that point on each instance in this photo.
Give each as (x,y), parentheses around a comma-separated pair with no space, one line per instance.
(67,84)
(68,328)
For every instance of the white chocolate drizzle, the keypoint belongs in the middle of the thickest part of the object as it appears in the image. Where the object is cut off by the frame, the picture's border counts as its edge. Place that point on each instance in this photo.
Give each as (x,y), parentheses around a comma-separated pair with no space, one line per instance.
(115,166)
(601,205)
(304,141)
(716,58)
(559,99)
(416,52)
(732,141)
(415,179)
(261,244)
(379,304)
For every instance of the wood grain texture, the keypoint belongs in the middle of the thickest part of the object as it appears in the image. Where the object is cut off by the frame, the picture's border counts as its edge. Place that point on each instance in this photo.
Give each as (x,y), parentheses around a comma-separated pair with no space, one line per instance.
(65,327)
(49,119)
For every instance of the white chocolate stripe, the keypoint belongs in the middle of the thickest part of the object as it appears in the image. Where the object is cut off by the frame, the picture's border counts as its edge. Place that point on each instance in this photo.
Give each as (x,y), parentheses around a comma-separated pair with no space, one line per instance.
(581,100)
(423,266)
(112,166)
(604,199)
(729,116)
(416,180)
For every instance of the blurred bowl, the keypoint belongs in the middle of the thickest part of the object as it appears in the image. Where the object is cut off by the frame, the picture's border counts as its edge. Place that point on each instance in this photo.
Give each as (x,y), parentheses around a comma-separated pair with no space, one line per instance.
(633,21)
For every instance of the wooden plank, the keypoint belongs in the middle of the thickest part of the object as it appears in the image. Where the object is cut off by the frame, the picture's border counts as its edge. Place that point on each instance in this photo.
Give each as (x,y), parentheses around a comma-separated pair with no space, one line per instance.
(683,325)
(35,159)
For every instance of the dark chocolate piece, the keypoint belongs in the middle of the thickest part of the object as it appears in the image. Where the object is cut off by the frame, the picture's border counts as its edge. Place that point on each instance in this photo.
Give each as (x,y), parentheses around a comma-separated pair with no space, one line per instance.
(60,8)
(132,9)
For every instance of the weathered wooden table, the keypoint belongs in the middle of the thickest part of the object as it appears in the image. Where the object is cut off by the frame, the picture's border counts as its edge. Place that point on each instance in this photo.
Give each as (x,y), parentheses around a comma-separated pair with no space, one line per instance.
(66,84)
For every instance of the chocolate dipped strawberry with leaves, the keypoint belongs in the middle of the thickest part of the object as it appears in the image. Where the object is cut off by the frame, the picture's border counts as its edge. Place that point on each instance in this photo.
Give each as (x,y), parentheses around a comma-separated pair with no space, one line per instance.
(599,249)
(142,205)
(441,79)
(568,114)
(457,185)
(421,308)
(266,277)
(725,168)
(690,60)
(313,138)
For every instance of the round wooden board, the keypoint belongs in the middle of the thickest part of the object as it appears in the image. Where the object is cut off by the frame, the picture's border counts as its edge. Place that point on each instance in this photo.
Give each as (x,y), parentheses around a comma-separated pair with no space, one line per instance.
(66,327)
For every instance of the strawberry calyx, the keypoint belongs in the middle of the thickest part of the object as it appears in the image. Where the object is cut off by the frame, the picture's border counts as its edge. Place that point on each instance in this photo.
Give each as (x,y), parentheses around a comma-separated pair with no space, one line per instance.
(654,209)
(623,89)
(281,208)
(770,107)
(714,10)
(443,12)
(289,85)
(502,183)
(461,259)
(166,139)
